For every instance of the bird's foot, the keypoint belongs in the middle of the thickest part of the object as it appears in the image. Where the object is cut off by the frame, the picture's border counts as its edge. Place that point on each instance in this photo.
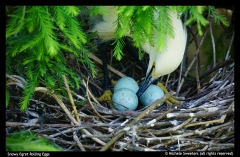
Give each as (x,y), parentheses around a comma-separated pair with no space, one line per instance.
(113,82)
(170,100)
(107,96)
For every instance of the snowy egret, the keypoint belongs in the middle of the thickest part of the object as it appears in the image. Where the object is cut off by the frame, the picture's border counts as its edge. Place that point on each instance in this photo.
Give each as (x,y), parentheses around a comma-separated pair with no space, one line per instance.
(160,63)
(165,62)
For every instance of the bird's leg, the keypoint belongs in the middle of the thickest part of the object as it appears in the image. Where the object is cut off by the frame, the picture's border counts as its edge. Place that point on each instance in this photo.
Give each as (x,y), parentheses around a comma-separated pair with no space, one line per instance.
(146,83)
(107,95)
(171,99)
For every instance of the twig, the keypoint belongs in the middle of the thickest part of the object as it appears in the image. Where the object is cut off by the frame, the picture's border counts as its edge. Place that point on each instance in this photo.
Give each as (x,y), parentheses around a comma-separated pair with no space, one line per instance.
(98,136)
(210,95)
(200,114)
(221,120)
(213,43)
(207,143)
(72,129)
(189,84)
(198,62)
(132,147)
(44,90)
(154,105)
(194,59)
(167,80)
(95,139)
(65,109)
(184,61)
(82,75)
(16,124)
(173,129)
(176,137)
(230,46)
(109,67)
(78,142)
(87,91)
(58,140)
(180,76)
(16,78)
(71,98)
(69,114)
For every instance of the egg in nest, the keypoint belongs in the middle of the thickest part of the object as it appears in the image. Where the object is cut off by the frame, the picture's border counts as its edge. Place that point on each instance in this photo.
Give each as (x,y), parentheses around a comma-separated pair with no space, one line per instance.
(124,96)
(126,82)
(125,99)
(152,93)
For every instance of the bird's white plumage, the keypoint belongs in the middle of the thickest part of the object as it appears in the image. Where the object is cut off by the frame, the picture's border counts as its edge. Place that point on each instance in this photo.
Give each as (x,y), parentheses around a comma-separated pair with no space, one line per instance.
(170,58)
(166,61)
(105,27)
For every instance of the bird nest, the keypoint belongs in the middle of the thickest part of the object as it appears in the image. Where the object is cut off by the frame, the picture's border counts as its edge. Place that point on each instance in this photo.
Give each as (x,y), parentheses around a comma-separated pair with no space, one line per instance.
(203,122)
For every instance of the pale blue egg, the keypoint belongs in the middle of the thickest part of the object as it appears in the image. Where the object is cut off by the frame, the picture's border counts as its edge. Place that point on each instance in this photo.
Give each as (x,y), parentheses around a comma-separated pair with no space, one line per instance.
(152,93)
(124,99)
(126,82)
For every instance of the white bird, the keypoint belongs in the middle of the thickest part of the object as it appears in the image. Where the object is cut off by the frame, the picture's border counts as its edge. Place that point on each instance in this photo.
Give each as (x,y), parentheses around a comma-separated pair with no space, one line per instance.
(160,63)
(169,59)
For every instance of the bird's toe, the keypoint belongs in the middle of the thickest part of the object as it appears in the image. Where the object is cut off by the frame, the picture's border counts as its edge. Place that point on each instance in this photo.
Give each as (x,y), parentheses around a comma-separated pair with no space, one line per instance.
(170,100)
(107,96)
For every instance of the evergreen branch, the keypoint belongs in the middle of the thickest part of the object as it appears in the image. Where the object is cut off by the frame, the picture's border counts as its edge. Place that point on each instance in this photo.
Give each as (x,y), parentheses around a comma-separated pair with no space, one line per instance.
(26,141)
(7,97)
(196,15)
(164,27)
(79,36)
(8,65)
(41,32)
(81,56)
(98,10)
(136,21)
(68,49)
(75,79)
(50,81)
(40,41)
(72,10)
(16,23)
(218,18)
(90,64)
(73,30)
(143,26)
(127,11)
(31,43)
(29,90)
(31,20)
(46,27)
(60,17)
(118,48)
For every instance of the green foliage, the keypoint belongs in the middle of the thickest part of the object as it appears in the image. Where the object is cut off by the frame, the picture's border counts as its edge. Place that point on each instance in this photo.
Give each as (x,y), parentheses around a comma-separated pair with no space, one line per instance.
(26,141)
(17,21)
(98,10)
(7,97)
(29,87)
(196,15)
(36,38)
(118,49)
(140,21)
(164,27)
(218,18)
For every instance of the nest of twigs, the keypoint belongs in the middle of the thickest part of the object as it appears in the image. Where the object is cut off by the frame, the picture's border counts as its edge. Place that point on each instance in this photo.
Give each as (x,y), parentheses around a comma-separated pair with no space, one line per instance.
(203,122)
